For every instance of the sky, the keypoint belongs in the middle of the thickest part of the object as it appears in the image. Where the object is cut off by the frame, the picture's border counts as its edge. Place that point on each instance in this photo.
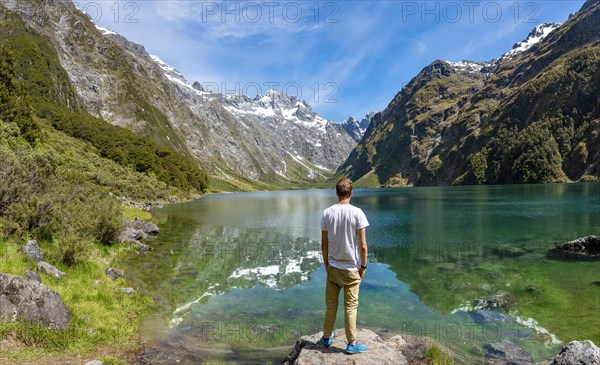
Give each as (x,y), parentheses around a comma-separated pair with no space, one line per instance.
(345,58)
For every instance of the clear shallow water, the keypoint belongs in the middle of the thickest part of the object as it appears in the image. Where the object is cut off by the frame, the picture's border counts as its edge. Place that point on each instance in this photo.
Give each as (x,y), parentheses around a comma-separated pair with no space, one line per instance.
(239,279)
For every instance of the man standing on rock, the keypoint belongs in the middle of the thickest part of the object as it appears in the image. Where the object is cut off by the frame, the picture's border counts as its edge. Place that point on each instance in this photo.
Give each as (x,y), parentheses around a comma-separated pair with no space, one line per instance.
(343,235)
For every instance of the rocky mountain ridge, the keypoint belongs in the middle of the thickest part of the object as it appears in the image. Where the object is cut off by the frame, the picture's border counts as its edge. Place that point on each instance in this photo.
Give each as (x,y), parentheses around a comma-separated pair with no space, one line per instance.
(282,134)
(357,128)
(528,116)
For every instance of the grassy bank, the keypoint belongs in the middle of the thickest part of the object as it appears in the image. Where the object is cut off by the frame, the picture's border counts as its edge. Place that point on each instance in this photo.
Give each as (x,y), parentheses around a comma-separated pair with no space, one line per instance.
(104,321)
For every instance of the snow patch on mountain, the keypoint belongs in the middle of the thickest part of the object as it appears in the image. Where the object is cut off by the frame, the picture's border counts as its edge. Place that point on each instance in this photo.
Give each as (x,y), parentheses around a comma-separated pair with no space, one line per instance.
(537,34)
(105,31)
(468,66)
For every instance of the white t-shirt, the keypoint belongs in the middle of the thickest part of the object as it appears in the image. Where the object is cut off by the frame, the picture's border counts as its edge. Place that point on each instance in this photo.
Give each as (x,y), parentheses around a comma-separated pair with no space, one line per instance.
(341,221)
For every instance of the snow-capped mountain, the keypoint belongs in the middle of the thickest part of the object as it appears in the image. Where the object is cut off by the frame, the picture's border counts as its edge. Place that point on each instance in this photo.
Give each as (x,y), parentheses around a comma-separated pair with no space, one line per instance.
(271,134)
(537,34)
(118,81)
(470,66)
(357,128)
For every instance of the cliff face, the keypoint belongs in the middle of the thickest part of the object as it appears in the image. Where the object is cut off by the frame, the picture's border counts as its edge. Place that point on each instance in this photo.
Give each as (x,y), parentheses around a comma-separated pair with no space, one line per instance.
(531,115)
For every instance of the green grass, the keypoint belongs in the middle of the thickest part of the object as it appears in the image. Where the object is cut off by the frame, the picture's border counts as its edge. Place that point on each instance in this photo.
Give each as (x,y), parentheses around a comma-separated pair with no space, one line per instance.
(369,180)
(132,213)
(435,356)
(101,316)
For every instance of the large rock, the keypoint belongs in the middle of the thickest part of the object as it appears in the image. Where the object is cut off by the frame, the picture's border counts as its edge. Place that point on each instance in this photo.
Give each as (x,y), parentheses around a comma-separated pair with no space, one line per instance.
(148,228)
(33,251)
(506,353)
(50,270)
(137,231)
(310,351)
(30,301)
(129,234)
(578,353)
(585,247)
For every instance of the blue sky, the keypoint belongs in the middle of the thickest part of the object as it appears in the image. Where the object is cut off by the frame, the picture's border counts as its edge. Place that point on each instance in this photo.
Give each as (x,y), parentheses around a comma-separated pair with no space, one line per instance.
(345,58)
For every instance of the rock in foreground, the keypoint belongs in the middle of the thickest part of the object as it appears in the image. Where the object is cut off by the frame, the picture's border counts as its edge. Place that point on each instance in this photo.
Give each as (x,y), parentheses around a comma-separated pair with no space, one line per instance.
(33,302)
(585,247)
(578,353)
(310,351)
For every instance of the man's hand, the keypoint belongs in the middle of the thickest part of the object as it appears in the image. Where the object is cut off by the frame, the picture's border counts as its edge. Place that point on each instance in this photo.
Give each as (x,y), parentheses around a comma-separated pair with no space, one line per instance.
(361,272)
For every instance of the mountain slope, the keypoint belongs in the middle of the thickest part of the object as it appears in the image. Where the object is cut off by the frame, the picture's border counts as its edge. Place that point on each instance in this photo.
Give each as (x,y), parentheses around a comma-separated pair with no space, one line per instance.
(532,115)
(37,96)
(117,81)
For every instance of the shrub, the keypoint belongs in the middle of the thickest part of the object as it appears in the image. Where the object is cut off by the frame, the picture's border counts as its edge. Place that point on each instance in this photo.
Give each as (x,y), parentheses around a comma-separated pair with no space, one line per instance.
(128,149)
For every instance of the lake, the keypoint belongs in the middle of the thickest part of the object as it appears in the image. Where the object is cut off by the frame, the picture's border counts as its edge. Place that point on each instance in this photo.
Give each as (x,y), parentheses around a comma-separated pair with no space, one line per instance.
(238,277)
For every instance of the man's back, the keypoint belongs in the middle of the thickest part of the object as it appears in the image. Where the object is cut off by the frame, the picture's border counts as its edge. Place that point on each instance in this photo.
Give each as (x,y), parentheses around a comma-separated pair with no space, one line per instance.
(341,221)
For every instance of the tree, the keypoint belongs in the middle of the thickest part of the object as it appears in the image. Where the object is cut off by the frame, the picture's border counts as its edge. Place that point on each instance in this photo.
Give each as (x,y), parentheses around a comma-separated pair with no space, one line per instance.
(14,104)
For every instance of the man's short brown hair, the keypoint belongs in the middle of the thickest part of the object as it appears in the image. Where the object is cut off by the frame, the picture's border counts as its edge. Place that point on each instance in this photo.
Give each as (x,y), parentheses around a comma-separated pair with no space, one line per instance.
(343,188)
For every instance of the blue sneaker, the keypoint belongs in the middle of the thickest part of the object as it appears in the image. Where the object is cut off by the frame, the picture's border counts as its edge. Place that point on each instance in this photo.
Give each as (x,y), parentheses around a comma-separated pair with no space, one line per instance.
(356,348)
(327,341)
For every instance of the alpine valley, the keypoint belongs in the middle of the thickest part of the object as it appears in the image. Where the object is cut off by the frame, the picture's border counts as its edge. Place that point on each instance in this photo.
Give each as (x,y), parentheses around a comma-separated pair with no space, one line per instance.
(271,141)
(530,115)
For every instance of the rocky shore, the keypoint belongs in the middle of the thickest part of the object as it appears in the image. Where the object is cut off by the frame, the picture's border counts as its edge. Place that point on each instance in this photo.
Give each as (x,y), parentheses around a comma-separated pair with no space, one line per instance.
(409,350)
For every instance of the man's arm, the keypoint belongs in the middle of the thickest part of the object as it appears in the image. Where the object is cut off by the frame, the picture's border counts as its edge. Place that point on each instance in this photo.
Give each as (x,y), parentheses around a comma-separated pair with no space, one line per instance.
(325,248)
(362,240)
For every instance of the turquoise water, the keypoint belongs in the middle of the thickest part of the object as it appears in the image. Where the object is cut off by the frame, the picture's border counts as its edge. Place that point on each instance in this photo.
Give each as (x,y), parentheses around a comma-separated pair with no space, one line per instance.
(238,277)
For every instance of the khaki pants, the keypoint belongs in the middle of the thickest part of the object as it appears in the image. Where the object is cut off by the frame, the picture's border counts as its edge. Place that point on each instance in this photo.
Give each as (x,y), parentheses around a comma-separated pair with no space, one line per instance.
(336,280)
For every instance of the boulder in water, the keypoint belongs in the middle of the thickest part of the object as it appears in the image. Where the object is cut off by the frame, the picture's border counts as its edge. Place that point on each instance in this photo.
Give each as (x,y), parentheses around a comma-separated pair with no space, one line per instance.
(585,247)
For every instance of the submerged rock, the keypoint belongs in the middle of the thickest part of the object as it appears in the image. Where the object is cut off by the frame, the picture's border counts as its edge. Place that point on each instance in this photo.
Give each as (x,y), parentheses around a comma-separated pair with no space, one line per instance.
(309,350)
(506,353)
(578,353)
(495,301)
(33,302)
(509,251)
(485,317)
(585,247)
